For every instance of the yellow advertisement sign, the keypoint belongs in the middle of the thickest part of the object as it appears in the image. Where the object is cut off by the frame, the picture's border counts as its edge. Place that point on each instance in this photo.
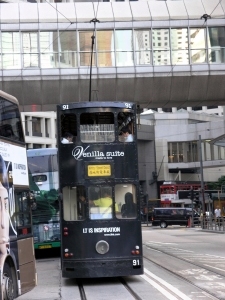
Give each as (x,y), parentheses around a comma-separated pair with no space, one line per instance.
(99,170)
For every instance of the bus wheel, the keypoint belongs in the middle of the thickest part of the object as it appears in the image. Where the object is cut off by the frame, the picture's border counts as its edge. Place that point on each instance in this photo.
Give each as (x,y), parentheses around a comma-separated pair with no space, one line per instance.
(163,224)
(8,285)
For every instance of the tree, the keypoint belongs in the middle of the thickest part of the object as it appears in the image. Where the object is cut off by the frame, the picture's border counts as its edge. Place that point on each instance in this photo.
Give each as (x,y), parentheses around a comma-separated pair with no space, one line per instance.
(216,185)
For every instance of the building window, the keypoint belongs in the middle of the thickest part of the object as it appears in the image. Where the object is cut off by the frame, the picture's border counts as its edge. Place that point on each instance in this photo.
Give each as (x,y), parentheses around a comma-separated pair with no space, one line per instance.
(124,48)
(36,126)
(105,46)
(216,44)
(85,42)
(68,49)
(49,49)
(30,49)
(180,52)
(162,48)
(198,45)
(11,58)
(142,44)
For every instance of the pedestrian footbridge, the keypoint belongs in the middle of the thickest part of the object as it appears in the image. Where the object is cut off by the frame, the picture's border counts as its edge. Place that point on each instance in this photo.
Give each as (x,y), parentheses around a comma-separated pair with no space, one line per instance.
(155,53)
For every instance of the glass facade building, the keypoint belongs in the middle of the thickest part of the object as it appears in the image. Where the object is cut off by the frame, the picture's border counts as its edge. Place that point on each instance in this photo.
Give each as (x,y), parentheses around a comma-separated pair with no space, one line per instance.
(118,47)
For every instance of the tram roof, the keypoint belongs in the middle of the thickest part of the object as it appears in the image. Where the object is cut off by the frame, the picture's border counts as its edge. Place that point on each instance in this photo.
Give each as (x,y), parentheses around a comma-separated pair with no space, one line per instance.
(99,104)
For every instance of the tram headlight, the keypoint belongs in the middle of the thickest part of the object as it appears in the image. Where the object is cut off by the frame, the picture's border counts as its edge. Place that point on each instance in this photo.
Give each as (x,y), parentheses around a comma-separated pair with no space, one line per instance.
(102,247)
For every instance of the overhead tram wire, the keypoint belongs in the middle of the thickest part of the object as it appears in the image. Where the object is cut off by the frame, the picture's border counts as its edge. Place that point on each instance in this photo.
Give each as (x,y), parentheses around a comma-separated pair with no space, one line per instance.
(205,17)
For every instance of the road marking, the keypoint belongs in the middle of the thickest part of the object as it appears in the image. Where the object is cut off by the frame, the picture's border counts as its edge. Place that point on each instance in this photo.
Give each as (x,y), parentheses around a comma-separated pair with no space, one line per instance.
(160,243)
(159,288)
(167,285)
(214,268)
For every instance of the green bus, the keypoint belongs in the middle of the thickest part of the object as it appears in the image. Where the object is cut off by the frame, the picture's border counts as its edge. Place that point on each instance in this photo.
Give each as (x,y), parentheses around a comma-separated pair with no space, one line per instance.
(43,181)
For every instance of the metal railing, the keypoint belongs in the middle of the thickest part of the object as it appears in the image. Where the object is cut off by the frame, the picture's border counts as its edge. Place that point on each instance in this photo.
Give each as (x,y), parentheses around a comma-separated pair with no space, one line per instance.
(213,224)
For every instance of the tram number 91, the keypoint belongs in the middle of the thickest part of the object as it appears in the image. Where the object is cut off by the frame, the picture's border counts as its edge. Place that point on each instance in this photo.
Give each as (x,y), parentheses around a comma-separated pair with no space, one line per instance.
(136,262)
(66,106)
(128,105)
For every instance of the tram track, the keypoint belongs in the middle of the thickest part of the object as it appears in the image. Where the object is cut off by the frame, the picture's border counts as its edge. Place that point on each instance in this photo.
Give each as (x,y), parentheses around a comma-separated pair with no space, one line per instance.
(130,293)
(130,290)
(81,289)
(204,270)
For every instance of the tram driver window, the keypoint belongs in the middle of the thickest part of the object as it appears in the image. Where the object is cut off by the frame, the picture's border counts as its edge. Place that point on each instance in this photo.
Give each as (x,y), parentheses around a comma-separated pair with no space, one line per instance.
(126,127)
(74,203)
(97,127)
(68,128)
(125,196)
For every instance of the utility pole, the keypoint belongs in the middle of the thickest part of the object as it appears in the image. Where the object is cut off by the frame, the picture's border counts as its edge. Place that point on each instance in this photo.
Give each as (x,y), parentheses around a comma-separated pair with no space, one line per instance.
(92,49)
(202,179)
(192,206)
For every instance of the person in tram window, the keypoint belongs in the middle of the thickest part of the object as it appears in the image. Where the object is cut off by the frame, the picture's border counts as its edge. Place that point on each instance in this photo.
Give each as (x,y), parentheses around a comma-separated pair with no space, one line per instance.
(81,205)
(127,135)
(105,201)
(67,139)
(129,209)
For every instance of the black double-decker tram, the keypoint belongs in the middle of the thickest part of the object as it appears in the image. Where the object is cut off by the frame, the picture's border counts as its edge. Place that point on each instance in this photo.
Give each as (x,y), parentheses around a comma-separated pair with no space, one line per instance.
(99,186)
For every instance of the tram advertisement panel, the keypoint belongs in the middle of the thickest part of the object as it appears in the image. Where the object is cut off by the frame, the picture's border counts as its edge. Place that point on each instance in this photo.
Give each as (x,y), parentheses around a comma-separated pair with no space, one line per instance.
(87,161)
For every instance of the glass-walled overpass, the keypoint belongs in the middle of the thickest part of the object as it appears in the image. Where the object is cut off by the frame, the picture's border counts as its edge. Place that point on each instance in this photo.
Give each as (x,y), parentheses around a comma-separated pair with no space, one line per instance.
(156,53)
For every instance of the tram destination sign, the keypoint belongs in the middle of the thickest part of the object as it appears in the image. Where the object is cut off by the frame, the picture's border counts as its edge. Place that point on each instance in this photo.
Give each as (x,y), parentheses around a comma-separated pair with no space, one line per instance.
(99,170)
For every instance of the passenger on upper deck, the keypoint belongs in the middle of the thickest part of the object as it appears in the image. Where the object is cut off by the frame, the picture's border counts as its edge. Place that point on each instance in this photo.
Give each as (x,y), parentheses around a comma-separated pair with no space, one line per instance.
(127,135)
(67,139)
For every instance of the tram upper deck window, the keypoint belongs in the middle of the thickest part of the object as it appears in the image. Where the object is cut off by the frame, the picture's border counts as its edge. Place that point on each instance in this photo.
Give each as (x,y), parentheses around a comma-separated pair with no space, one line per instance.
(125,196)
(97,127)
(126,127)
(10,122)
(68,127)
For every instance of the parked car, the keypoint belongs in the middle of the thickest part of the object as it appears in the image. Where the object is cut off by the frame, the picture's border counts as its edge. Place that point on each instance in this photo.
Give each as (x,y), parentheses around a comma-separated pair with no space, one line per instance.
(165,216)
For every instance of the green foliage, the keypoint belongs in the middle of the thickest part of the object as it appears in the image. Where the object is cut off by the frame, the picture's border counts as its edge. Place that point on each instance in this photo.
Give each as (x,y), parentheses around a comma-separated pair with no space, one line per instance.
(216,185)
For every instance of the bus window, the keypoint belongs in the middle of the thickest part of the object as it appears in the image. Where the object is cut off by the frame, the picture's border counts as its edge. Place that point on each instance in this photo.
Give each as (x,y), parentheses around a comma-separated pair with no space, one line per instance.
(68,125)
(39,178)
(101,203)
(22,213)
(126,127)
(97,127)
(125,195)
(74,203)
(10,122)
